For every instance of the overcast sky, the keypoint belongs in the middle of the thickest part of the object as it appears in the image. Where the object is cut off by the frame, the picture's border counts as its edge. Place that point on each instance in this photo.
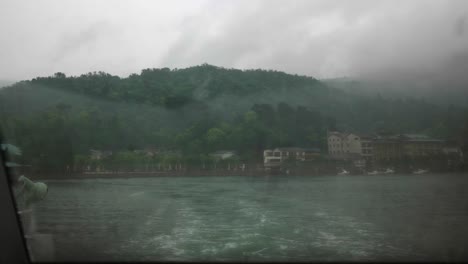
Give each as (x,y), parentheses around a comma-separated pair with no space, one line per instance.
(317,38)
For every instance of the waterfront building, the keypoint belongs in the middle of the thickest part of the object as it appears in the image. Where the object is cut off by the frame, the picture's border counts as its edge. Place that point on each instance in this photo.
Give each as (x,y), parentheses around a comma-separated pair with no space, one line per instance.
(276,157)
(349,146)
(404,146)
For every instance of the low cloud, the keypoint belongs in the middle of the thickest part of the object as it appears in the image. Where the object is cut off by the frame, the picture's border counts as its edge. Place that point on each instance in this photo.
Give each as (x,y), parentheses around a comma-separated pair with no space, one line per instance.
(324,39)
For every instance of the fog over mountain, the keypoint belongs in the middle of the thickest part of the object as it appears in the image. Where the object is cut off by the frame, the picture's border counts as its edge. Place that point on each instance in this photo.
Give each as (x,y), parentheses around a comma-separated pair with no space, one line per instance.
(4,83)
(405,41)
(438,92)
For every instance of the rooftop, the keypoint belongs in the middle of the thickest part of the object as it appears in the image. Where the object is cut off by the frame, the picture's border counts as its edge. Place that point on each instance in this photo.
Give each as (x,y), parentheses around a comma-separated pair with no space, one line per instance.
(295,149)
(409,137)
(220,152)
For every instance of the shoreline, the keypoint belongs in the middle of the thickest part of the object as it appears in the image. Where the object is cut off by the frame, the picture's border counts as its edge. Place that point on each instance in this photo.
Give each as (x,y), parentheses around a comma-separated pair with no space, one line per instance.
(132,175)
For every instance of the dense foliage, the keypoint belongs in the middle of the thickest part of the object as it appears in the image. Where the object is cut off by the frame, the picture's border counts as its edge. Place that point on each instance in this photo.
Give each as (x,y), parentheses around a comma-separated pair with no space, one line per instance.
(196,111)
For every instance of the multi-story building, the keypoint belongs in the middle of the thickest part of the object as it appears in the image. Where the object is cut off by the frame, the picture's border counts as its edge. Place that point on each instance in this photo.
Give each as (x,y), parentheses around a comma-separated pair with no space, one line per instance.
(388,149)
(348,145)
(405,146)
(367,149)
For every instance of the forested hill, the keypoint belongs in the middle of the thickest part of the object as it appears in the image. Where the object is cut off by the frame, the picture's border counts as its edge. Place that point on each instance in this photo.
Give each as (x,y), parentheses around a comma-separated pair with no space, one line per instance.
(198,110)
(176,88)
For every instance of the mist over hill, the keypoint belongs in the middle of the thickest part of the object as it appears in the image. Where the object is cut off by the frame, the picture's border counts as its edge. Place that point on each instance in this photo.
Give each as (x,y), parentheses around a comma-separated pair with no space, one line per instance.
(4,83)
(433,91)
(201,109)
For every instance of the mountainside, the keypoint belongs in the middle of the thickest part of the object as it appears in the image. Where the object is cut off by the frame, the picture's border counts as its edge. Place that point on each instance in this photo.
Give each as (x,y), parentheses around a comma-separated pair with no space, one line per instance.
(198,110)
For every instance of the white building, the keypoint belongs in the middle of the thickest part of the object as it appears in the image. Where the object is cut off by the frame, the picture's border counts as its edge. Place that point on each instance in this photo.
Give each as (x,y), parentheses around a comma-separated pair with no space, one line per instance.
(274,157)
(346,145)
(366,148)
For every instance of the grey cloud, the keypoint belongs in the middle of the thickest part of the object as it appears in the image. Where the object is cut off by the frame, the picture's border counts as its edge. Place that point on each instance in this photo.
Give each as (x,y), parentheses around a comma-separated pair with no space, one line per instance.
(367,39)
(399,40)
(460,25)
(72,40)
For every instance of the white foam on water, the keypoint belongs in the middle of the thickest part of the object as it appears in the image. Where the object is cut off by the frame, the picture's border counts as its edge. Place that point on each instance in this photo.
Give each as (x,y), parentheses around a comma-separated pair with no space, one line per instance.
(257,213)
(248,208)
(342,234)
(259,251)
(210,251)
(359,253)
(263,219)
(137,194)
(179,252)
(170,243)
(166,243)
(248,235)
(348,236)
(328,236)
(320,214)
(281,239)
(230,245)
(157,213)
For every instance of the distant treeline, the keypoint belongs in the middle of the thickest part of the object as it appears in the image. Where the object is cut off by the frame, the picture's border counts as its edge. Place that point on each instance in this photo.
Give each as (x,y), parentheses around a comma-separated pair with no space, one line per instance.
(56,120)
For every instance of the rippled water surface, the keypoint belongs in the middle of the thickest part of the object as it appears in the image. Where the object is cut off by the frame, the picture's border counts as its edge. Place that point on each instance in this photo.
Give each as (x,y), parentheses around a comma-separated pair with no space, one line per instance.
(397,217)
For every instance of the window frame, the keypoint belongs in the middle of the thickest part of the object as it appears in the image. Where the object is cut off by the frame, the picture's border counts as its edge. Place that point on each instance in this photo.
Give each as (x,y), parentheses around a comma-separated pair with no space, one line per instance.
(12,239)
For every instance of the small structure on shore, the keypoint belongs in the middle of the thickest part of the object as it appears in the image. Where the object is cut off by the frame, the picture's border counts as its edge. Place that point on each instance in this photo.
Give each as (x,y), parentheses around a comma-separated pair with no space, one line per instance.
(279,158)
